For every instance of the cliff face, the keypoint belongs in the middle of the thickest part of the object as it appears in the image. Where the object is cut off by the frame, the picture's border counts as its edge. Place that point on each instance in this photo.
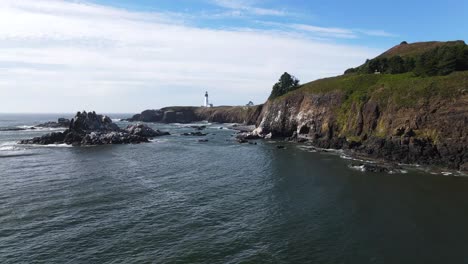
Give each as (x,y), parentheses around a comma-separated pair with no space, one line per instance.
(223,114)
(247,115)
(371,119)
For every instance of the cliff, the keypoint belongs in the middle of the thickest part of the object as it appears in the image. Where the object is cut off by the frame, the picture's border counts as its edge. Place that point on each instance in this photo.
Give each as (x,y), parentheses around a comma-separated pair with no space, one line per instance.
(186,114)
(401,118)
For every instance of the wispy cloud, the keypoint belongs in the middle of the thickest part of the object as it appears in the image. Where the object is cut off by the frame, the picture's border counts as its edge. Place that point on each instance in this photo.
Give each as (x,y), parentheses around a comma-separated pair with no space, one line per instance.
(66,56)
(325,31)
(247,7)
(376,33)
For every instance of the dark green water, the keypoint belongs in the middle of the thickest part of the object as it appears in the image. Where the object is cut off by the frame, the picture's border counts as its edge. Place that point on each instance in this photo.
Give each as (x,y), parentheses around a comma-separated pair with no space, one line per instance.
(180,201)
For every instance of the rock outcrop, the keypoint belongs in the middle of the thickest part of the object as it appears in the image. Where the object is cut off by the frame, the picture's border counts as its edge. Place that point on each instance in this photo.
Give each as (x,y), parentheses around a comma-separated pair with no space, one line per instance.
(144,131)
(93,129)
(61,123)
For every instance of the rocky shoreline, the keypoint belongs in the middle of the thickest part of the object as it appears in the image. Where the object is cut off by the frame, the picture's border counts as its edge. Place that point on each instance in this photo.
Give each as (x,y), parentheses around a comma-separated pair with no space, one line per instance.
(416,135)
(89,128)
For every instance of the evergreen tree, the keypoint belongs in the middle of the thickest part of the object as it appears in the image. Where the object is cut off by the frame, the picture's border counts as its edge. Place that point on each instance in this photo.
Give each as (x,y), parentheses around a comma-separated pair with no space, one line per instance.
(285,84)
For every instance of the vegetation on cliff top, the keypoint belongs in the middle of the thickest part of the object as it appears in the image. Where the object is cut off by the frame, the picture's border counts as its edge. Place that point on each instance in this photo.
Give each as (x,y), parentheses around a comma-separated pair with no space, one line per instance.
(400,89)
(423,59)
(285,84)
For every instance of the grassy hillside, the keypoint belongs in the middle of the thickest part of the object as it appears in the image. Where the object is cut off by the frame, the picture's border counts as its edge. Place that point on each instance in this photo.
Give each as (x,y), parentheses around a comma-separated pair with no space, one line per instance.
(417,48)
(403,90)
(423,59)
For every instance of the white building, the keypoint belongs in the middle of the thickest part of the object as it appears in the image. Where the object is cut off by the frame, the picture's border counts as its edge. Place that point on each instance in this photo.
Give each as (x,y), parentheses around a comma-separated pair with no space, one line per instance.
(207,103)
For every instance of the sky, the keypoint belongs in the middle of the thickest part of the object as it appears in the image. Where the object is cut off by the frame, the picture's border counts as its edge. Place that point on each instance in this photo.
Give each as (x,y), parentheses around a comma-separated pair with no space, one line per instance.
(125,56)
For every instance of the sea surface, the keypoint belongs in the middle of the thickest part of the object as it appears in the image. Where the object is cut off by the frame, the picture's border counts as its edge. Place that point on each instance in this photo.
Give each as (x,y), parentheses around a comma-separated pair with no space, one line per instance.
(177,200)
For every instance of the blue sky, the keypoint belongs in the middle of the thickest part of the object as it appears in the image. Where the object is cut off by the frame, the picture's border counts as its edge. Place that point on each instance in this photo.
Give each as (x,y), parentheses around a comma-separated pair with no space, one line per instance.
(127,56)
(409,20)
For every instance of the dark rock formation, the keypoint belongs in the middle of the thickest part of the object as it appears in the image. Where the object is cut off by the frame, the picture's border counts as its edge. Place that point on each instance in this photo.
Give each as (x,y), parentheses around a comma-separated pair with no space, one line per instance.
(144,131)
(61,123)
(247,135)
(198,127)
(93,129)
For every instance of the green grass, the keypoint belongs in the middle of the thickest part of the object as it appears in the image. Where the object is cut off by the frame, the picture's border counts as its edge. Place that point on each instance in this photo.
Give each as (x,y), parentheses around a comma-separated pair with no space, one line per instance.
(402,90)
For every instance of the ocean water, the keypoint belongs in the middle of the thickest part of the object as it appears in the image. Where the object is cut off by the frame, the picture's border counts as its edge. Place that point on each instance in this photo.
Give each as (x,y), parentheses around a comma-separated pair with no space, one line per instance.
(177,200)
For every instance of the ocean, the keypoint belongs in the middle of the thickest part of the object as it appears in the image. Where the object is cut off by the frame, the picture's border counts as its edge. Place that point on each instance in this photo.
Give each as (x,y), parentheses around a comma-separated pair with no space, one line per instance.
(178,200)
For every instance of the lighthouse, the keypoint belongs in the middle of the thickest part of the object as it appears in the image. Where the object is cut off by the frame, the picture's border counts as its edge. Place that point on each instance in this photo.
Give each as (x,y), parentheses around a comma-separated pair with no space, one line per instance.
(206,100)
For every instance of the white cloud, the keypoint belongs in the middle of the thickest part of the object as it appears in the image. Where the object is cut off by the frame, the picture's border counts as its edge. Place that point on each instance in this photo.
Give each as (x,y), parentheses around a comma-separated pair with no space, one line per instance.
(58,56)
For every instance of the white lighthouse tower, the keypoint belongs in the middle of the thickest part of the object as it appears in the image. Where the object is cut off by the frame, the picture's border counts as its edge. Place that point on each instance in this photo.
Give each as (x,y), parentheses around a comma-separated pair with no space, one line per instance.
(207,104)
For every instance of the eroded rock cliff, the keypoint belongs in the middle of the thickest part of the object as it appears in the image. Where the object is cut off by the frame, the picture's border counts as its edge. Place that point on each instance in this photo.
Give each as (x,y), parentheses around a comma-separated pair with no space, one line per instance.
(415,120)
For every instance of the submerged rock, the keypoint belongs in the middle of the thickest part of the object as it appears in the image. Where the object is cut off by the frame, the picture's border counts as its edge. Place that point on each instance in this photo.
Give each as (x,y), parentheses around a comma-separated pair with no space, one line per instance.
(93,129)
(14,128)
(196,134)
(198,127)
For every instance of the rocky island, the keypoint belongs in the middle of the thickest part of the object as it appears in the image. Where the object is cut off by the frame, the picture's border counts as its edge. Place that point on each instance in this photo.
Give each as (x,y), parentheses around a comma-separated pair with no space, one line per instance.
(89,128)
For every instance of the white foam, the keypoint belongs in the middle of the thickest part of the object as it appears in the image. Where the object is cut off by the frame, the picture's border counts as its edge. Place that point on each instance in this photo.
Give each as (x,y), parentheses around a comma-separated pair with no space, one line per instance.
(359,168)
(307,148)
(51,146)
(33,128)
(9,146)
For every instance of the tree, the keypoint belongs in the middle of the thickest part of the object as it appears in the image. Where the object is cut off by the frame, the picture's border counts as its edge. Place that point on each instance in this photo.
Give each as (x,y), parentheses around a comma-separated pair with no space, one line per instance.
(396,65)
(447,62)
(285,84)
